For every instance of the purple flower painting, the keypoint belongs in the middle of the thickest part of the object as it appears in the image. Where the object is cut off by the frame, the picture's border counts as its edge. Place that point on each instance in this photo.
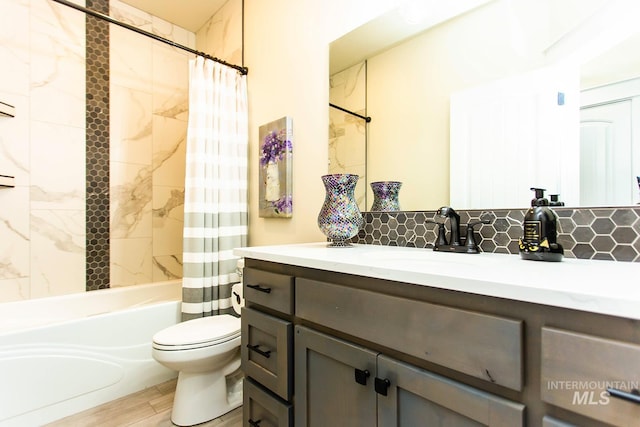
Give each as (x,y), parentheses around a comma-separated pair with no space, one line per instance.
(276,152)
(276,145)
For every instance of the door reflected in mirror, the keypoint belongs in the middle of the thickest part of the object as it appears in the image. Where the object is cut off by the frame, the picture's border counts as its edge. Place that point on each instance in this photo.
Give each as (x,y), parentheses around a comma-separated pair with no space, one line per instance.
(608,155)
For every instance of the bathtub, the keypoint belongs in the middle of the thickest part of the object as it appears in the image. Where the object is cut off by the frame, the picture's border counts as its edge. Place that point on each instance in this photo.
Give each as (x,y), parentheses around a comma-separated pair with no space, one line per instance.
(62,355)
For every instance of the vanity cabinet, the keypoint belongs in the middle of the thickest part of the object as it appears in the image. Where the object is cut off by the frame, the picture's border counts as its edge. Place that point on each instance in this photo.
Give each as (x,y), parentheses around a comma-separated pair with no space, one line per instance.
(339,383)
(350,349)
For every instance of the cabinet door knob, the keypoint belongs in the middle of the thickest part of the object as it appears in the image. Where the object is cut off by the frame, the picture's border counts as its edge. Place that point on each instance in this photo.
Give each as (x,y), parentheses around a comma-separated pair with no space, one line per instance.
(254,423)
(632,396)
(361,376)
(256,348)
(264,289)
(381,386)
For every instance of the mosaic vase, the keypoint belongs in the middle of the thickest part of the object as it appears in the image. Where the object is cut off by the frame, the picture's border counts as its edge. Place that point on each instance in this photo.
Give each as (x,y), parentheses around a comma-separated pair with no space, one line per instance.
(385,196)
(340,218)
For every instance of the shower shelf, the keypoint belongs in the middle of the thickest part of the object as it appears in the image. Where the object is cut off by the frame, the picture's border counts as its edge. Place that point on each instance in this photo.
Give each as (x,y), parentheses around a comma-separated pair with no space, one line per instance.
(7,181)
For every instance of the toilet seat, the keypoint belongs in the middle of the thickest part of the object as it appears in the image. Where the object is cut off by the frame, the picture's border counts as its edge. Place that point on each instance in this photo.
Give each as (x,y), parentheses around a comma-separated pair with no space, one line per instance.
(198,333)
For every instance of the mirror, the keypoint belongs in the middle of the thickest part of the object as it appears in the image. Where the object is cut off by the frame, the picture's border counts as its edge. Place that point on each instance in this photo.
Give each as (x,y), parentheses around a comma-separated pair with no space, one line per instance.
(406,85)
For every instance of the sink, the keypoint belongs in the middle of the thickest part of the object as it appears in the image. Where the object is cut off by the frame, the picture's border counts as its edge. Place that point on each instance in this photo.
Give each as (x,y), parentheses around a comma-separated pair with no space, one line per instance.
(415,255)
(412,255)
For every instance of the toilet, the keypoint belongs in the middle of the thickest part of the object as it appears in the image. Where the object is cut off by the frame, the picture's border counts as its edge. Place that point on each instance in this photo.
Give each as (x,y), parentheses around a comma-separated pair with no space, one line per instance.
(205,352)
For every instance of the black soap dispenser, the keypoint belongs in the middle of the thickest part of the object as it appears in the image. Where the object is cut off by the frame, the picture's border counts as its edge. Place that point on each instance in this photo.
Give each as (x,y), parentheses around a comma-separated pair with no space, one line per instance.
(555,200)
(539,240)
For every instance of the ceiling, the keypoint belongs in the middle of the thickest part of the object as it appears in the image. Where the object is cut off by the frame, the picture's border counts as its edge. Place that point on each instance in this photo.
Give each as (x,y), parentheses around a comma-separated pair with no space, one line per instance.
(188,14)
(392,28)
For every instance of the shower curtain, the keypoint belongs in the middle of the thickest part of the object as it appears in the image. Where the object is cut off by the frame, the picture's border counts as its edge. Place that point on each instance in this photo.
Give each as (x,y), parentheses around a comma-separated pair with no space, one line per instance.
(215,205)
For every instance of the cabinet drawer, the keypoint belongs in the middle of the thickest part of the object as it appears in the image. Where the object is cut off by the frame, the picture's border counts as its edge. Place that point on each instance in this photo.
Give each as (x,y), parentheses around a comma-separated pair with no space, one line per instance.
(267,351)
(264,409)
(270,290)
(480,345)
(577,369)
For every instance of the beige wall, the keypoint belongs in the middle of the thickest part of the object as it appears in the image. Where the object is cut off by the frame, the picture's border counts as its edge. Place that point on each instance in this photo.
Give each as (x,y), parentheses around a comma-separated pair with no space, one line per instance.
(408,92)
(287,52)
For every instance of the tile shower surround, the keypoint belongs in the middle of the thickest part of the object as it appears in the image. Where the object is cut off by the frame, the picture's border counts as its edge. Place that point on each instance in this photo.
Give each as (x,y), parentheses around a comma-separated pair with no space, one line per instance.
(99,173)
(588,233)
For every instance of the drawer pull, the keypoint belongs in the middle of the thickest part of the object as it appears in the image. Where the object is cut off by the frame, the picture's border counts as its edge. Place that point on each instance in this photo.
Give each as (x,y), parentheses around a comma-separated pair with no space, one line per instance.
(254,423)
(381,386)
(361,376)
(264,289)
(632,396)
(265,353)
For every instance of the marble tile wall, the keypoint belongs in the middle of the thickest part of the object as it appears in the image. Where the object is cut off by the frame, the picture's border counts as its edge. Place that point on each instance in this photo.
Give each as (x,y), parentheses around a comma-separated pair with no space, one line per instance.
(149,112)
(221,36)
(50,234)
(42,219)
(347,133)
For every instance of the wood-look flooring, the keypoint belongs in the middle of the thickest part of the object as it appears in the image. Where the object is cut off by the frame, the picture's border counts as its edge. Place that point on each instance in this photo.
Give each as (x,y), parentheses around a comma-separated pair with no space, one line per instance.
(147,408)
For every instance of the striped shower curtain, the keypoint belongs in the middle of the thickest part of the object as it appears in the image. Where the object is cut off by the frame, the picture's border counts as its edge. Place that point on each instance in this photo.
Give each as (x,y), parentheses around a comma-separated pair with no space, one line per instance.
(215,205)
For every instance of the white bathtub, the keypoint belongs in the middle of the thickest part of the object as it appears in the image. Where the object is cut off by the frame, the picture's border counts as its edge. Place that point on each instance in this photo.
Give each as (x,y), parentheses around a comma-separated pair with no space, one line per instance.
(62,355)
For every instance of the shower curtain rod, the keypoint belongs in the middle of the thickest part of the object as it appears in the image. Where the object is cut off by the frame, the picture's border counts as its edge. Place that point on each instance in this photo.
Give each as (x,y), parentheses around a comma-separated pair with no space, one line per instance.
(242,70)
(365,118)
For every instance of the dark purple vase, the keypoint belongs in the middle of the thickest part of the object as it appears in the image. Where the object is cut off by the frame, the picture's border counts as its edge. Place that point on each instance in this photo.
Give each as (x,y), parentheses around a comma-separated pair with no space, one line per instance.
(385,196)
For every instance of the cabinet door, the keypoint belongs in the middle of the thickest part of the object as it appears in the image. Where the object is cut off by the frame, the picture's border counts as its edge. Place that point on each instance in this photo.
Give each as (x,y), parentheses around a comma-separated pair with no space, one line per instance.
(416,397)
(326,390)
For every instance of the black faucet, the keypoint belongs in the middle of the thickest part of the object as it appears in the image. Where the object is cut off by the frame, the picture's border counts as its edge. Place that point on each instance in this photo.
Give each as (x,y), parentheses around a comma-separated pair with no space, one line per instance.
(454,219)
(455,244)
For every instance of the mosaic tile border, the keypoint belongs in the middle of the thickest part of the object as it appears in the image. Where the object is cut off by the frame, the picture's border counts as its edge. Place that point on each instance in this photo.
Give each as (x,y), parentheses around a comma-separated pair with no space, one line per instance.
(97,148)
(587,233)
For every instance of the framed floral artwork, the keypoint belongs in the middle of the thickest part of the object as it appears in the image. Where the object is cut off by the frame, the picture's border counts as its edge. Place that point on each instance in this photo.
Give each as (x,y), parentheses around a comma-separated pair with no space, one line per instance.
(276,154)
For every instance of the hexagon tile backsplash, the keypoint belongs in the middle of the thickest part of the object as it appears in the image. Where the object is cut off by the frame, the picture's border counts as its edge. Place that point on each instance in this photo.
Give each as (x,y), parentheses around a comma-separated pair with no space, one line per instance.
(589,233)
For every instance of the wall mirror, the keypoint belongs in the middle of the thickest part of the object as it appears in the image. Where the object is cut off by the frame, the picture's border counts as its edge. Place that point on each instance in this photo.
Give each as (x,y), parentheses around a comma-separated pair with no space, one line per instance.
(426,79)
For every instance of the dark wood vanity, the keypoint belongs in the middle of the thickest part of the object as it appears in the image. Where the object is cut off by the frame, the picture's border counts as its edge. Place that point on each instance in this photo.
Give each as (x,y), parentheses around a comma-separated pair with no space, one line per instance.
(327,348)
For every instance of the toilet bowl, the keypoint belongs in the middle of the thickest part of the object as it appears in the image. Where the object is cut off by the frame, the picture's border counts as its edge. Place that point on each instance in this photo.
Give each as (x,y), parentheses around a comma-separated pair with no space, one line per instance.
(205,352)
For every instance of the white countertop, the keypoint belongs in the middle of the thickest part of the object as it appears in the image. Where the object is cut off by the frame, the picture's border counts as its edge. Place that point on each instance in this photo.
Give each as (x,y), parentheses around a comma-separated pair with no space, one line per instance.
(605,287)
